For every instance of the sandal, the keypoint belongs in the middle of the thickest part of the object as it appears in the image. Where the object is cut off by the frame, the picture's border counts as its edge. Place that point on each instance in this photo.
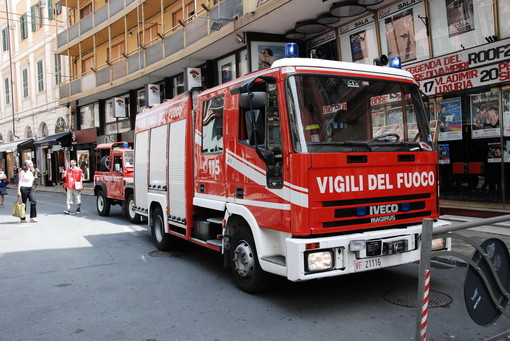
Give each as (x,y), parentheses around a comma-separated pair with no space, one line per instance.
(23,221)
(33,220)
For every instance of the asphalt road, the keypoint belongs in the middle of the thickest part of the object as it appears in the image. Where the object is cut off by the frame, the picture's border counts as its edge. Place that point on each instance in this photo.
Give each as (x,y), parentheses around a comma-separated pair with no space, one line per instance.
(85,277)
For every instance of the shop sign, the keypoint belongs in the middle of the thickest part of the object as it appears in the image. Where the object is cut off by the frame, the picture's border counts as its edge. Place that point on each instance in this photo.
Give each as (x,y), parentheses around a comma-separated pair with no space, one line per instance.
(322,39)
(480,66)
(193,77)
(356,25)
(153,95)
(388,11)
(119,107)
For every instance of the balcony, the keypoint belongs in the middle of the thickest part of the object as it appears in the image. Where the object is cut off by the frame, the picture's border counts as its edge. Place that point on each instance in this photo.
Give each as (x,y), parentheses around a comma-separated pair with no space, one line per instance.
(138,61)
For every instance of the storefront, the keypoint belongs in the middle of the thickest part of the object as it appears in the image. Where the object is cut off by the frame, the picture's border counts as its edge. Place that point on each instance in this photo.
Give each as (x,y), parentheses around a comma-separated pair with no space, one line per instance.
(470,108)
(14,154)
(83,142)
(54,151)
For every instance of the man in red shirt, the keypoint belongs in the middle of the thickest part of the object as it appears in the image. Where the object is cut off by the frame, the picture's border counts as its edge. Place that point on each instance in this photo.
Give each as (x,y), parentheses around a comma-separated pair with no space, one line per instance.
(74,183)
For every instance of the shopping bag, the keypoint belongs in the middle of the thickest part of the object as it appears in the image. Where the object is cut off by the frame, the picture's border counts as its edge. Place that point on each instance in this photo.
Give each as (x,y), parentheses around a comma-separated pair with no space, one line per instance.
(78,185)
(19,210)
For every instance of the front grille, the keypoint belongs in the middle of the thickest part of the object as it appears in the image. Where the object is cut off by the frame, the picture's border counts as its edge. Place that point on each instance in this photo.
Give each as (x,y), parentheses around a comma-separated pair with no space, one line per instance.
(351,202)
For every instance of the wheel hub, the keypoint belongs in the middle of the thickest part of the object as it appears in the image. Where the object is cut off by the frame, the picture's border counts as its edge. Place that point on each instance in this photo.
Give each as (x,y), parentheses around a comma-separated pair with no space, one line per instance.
(243,259)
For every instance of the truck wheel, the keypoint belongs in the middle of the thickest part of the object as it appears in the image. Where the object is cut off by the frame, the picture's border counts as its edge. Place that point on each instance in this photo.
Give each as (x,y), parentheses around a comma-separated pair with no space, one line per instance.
(160,237)
(102,204)
(133,216)
(244,264)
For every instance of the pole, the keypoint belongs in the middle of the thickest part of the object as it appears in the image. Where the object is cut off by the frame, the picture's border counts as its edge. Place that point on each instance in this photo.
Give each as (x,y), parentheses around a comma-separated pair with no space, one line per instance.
(422,300)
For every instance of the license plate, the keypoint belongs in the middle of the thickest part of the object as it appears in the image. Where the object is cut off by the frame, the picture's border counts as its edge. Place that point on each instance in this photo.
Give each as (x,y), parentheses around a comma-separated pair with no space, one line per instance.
(367,264)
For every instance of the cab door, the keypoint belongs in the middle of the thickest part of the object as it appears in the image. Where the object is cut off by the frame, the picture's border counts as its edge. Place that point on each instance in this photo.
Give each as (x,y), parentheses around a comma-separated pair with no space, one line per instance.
(209,154)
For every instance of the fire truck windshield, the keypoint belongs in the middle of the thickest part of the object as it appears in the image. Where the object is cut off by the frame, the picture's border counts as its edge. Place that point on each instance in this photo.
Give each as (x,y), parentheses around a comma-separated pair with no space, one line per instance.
(129,159)
(338,113)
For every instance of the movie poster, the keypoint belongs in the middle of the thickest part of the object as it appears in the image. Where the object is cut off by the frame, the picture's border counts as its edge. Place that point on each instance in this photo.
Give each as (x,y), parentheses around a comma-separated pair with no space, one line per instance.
(400,35)
(358,46)
(494,152)
(506,112)
(449,119)
(444,154)
(459,15)
(485,115)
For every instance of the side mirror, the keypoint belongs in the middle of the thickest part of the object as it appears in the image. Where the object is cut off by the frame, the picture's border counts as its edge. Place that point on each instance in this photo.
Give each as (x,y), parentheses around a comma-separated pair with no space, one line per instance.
(258,99)
(117,168)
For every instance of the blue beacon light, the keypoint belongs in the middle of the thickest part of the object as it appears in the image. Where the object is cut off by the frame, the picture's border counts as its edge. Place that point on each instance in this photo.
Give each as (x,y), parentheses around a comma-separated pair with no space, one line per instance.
(291,50)
(395,62)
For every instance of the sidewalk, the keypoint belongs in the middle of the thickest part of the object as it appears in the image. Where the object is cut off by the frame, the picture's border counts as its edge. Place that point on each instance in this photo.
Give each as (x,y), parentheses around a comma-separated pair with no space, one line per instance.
(88,188)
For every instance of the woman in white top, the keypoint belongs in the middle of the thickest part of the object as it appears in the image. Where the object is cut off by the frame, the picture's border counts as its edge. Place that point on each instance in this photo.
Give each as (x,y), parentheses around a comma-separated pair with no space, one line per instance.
(26,189)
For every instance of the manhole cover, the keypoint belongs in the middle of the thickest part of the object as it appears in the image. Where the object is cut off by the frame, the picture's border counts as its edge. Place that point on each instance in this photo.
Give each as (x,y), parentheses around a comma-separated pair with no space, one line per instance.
(407,298)
(158,253)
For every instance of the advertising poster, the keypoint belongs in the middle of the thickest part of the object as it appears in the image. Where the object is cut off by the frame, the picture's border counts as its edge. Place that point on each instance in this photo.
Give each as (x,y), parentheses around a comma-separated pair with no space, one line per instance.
(444,154)
(493,152)
(400,35)
(506,112)
(449,119)
(485,115)
(459,14)
(263,54)
(83,163)
(506,150)
(358,46)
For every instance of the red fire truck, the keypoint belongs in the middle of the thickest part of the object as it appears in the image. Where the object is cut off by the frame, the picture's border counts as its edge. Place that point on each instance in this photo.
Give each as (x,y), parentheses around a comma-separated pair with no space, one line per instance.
(308,169)
(113,179)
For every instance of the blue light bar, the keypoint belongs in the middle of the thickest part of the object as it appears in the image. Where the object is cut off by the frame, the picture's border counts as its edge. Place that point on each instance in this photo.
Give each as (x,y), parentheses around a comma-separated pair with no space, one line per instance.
(395,62)
(125,145)
(406,206)
(291,50)
(361,211)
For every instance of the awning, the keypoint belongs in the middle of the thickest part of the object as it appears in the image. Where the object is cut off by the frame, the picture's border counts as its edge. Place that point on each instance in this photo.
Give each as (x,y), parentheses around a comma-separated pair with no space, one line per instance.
(53,139)
(16,145)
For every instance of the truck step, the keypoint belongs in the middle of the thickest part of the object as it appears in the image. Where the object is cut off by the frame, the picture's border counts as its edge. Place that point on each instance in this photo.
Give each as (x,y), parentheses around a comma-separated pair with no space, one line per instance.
(278,260)
(215,220)
(214,242)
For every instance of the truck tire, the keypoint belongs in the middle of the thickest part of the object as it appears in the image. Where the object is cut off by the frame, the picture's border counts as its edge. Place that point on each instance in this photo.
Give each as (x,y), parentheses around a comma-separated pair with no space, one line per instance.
(133,216)
(102,204)
(244,264)
(160,237)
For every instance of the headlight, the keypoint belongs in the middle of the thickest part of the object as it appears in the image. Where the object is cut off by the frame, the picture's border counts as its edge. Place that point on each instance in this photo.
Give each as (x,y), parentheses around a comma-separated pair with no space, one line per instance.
(438,244)
(320,260)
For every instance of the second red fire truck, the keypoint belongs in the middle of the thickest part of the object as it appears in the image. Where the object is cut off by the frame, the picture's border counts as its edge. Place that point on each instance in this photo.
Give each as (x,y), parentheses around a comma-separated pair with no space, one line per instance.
(309,169)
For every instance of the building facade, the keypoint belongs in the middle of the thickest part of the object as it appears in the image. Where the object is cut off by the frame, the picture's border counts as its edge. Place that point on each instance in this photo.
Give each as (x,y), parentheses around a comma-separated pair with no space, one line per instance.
(31,72)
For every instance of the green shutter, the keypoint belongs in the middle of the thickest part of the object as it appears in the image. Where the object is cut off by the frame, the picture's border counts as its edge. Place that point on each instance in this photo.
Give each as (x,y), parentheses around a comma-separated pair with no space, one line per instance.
(50,10)
(32,15)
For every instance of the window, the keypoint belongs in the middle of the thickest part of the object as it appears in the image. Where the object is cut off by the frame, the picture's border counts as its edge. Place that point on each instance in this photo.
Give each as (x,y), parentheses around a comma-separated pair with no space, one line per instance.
(87,64)
(86,10)
(58,69)
(58,9)
(25,83)
(148,35)
(36,17)
(23,26)
(178,84)
(212,125)
(176,16)
(5,39)
(7,91)
(118,50)
(40,76)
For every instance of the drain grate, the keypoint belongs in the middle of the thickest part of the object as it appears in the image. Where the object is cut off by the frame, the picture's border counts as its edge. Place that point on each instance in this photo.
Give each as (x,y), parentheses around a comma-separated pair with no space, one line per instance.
(407,298)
